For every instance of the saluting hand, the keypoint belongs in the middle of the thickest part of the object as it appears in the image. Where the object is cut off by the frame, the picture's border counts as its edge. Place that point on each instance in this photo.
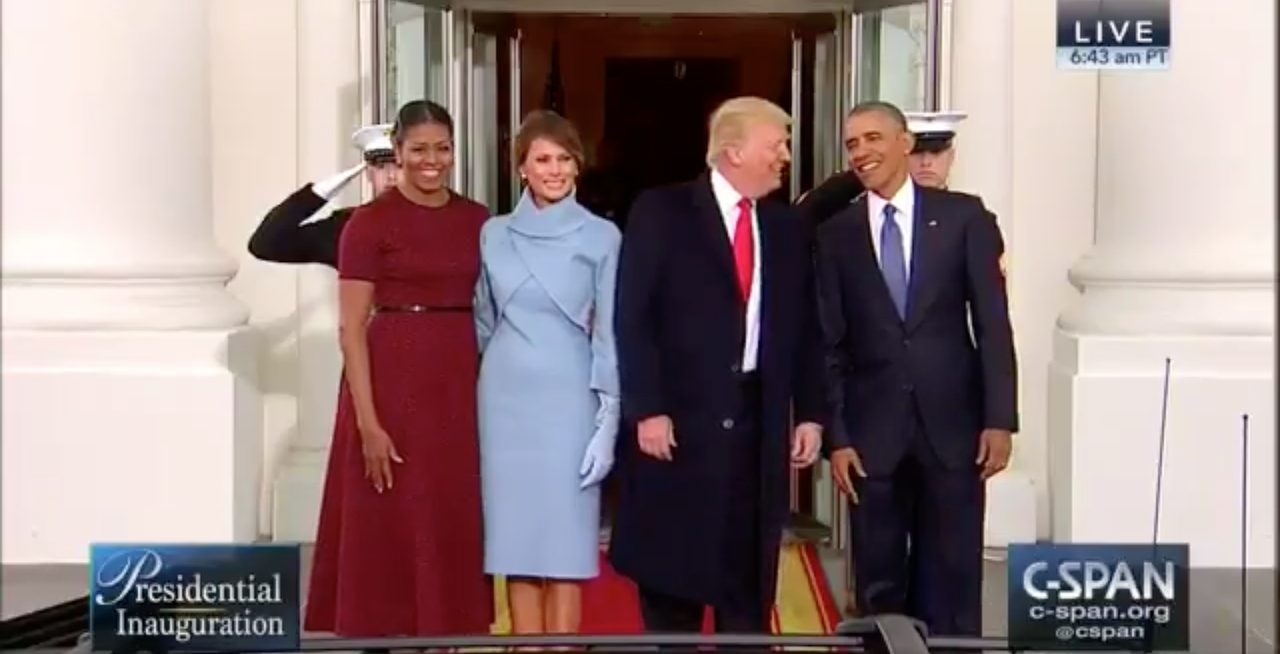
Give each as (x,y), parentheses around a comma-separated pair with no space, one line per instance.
(379,454)
(657,437)
(843,461)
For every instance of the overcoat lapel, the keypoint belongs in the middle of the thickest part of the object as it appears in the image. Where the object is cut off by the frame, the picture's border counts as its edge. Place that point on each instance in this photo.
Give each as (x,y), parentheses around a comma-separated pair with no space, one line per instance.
(711,227)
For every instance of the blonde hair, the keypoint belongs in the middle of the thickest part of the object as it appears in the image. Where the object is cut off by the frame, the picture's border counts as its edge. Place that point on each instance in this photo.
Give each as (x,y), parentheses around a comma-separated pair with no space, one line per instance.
(730,121)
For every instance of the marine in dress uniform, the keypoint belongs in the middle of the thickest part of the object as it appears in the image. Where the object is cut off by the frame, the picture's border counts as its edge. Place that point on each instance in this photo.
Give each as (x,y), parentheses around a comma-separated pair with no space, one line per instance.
(288,235)
(934,151)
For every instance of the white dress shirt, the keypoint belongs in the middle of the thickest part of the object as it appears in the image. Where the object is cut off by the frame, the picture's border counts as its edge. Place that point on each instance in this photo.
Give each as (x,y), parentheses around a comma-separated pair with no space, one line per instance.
(904,206)
(727,200)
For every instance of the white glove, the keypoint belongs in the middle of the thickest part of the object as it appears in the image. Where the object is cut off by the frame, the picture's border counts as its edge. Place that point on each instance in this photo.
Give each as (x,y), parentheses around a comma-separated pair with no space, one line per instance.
(328,188)
(598,460)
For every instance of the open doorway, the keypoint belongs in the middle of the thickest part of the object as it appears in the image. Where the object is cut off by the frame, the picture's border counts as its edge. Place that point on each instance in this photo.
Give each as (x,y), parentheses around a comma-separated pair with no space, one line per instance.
(641,88)
(656,112)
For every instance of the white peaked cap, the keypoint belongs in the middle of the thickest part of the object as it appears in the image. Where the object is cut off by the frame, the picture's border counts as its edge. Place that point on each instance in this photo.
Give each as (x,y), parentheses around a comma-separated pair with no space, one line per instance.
(934,122)
(373,138)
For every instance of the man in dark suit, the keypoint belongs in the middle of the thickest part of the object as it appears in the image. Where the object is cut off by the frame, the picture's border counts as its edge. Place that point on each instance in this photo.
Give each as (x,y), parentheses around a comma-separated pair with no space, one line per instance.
(924,409)
(718,341)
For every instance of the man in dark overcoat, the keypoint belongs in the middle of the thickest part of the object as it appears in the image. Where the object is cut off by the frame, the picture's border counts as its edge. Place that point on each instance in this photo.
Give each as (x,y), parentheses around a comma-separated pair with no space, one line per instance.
(718,344)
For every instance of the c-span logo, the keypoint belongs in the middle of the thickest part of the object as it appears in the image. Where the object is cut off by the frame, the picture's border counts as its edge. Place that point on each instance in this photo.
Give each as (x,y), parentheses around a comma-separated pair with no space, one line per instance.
(1080,596)
(194,597)
(1114,34)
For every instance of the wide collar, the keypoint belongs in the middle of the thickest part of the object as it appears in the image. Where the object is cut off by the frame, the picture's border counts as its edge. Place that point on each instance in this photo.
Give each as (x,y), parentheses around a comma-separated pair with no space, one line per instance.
(551,221)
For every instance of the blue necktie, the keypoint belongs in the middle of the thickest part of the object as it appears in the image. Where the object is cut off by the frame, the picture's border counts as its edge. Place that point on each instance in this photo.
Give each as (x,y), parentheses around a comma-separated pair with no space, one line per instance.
(893,261)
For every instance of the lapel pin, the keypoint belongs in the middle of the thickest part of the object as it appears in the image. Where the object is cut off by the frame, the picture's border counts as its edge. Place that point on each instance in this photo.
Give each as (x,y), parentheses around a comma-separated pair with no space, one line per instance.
(933,223)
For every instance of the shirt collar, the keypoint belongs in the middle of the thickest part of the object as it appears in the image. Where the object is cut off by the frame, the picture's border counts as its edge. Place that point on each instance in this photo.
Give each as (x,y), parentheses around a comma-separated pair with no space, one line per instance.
(727,198)
(903,202)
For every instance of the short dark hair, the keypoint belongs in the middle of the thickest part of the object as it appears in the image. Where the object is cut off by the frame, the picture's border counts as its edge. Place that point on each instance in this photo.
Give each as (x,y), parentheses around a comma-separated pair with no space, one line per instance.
(420,112)
(883,108)
(549,125)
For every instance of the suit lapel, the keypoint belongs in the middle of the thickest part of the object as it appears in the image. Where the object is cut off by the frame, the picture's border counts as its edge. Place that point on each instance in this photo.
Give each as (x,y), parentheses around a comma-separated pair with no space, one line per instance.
(711,226)
(924,237)
(770,219)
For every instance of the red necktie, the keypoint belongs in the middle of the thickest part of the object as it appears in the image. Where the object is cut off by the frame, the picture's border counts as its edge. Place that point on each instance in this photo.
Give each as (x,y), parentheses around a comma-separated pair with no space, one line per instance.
(744,249)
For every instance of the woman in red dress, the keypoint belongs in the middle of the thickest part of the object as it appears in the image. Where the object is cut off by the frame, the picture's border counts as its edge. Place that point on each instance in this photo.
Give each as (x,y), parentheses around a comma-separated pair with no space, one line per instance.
(399,550)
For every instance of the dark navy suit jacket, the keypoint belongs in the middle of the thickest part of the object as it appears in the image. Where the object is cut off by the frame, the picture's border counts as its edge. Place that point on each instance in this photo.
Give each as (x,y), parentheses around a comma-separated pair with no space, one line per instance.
(882,368)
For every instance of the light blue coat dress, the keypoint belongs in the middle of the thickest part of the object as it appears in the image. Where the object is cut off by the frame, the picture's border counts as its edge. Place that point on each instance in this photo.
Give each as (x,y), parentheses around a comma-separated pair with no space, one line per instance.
(548,386)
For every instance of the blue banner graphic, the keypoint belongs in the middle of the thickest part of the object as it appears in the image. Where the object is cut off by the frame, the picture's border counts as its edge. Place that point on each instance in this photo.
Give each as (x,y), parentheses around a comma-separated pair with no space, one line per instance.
(151,597)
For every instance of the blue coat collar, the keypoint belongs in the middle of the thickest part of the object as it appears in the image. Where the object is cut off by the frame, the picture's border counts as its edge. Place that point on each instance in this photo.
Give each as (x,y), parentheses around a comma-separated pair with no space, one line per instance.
(559,219)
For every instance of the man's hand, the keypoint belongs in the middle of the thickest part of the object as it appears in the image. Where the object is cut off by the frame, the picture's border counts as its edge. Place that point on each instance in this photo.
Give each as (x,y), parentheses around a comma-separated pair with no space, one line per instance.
(806,442)
(656,437)
(994,448)
(843,461)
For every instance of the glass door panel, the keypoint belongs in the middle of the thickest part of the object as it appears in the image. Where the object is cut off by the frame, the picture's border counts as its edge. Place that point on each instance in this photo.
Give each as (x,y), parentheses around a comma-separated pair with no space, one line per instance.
(828,107)
(893,54)
(487,103)
(413,62)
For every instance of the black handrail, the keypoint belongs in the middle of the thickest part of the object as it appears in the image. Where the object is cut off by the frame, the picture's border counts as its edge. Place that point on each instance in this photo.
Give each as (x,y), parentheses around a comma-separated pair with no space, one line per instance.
(886,634)
(52,627)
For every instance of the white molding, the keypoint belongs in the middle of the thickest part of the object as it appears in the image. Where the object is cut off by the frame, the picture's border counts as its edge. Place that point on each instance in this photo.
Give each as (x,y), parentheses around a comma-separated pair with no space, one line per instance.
(86,408)
(1202,309)
(1109,421)
(103,305)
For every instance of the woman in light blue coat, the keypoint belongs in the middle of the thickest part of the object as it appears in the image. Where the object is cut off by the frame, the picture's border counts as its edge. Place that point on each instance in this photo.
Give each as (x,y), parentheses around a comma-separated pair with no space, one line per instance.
(548,389)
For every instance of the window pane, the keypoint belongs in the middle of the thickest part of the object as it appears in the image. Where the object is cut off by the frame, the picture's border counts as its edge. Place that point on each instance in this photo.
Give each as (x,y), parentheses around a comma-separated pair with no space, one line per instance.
(415,65)
(893,55)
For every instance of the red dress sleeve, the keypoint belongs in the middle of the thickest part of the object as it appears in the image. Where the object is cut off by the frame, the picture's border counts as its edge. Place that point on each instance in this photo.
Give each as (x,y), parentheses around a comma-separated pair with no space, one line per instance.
(360,249)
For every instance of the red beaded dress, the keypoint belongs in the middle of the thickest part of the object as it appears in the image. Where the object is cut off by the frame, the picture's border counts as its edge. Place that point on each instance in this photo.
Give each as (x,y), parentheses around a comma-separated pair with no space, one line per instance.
(408,561)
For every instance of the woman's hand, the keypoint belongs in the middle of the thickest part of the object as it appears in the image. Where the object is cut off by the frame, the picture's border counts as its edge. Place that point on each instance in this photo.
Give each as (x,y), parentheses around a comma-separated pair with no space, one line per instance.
(379,454)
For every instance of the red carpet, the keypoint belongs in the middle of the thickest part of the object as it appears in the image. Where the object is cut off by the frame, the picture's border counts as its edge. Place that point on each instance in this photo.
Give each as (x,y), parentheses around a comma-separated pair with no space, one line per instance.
(804,605)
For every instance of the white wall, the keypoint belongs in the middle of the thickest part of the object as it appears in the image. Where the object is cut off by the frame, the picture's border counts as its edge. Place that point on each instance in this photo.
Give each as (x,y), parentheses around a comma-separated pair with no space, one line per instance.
(286,96)
(1028,147)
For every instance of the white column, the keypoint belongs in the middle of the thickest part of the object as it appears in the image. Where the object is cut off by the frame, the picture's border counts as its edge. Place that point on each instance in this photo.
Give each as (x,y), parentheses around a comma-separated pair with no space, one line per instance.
(330,107)
(981,85)
(130,412)
(1182,268)
(107,201)
(981,58)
